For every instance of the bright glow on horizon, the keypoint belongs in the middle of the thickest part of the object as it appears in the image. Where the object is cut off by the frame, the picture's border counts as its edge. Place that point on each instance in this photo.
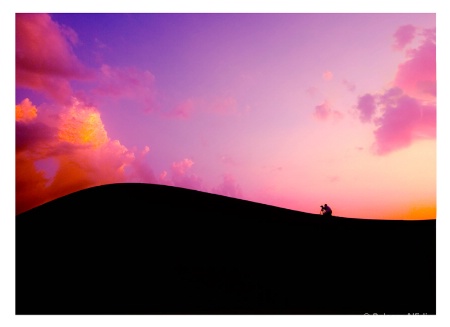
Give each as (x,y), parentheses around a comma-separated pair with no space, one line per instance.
(289,110)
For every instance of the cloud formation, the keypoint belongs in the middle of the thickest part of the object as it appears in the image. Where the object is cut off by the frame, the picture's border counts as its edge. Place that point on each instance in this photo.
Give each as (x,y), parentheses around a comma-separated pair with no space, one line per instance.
(406,112)
(45,59)
(399,119)
(77,140)
(63,146)
(404,120)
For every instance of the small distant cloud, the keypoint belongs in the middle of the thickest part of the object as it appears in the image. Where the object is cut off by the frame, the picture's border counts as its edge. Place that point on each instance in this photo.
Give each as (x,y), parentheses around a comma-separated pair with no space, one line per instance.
(312,91)
(324,112)
(349,86)
(327,76)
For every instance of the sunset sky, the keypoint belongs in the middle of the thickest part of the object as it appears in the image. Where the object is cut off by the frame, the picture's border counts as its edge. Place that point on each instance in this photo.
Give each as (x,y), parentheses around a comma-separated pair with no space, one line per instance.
(291,110)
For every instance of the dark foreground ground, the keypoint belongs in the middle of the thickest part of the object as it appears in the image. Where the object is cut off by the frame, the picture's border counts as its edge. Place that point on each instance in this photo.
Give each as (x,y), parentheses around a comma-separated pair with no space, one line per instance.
(148,249)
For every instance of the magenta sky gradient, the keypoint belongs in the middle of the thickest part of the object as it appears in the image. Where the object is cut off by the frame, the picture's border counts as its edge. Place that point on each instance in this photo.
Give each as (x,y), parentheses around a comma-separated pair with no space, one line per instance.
(292,110)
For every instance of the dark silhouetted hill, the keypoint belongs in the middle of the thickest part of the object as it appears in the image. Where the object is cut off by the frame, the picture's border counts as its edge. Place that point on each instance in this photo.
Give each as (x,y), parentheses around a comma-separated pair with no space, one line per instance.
(151,249)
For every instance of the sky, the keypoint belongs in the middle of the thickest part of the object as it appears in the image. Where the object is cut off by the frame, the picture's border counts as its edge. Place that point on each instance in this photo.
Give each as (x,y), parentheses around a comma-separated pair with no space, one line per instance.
(292,110)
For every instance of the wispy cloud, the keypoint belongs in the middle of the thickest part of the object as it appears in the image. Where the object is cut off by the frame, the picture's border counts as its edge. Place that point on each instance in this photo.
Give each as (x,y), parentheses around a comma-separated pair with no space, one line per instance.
(126,83)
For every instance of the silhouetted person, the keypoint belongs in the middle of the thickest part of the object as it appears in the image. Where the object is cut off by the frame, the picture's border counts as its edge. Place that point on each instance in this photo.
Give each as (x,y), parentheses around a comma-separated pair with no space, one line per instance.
(326,210)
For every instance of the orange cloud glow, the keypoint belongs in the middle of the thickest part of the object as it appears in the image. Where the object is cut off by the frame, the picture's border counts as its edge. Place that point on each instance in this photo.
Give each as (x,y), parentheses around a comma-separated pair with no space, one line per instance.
(25,111)
(78,142)
(82,125)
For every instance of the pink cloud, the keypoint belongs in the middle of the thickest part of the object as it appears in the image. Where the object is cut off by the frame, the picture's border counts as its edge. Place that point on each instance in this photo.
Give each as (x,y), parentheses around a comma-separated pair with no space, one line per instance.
(404,121)
(44,56)
(406,112)
(327,76)
(325,111)
(400,119)
(417,76)
(228,187)
(403,36)
(366,106)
